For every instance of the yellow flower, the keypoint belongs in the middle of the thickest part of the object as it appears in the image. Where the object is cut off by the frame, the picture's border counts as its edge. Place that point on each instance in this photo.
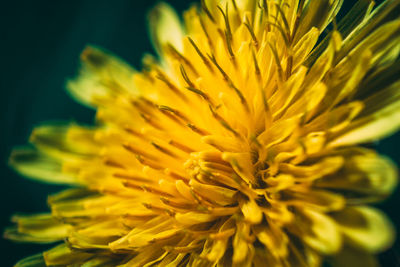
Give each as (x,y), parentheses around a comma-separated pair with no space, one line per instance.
(240,146)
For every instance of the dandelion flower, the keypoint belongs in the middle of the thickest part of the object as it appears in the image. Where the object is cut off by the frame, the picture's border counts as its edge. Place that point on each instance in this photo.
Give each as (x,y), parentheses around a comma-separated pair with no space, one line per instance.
(240,146)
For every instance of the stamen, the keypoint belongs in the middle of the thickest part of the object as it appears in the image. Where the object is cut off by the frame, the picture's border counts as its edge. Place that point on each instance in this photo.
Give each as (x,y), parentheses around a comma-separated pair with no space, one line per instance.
(172,117)
(191,87)
(236,11)
(277,61)
(164,150)
(256,67)
(266,10)
(135,133)
(203,26)
(112,163)
(281,31)
(228,33)
(285,22)
(205,60)
(197,130)
(223,122)
(251,31)
(157,209)
(175,175)
(297,21)
(174,111)
(229,81)
(136,151)
(160,76)
(131,177)
(141,108)
(289,66)
(207,11)
(216,166)
(186,77)
(181,58)
(149,121)
(177,205)
(181,147)
(211,156)
(155,191)
(146,162)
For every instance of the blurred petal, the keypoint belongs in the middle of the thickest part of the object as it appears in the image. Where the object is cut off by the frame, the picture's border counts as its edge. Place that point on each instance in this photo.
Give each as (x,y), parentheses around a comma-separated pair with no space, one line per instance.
(365,228)
(32,261)
(165,28)
(101,78)
(38,166)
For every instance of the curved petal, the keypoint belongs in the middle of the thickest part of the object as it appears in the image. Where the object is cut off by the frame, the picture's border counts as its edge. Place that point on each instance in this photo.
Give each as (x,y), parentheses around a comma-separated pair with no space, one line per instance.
(101,77)
(365,228)
(165,28)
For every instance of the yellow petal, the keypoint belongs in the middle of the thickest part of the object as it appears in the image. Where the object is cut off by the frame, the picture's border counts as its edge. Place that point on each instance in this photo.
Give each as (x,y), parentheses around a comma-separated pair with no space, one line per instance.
(251,211)
(376,126)
(39,228)
(218,194)
(190,218)
(303,48)
(368,177)
(65,141)
(101,78)
(35,165)
(165,28)
(374,20)
(318,231)
(366,228)
(218,250)
(63,255)
(323,201)
(31,261)
(240,245)
(274,239)
(241,163)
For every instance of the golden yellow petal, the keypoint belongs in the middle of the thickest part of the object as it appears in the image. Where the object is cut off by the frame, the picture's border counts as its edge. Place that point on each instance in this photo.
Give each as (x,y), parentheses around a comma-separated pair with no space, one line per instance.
(240,244)
(251,211)
(218,250)
(190,218)
(318,231)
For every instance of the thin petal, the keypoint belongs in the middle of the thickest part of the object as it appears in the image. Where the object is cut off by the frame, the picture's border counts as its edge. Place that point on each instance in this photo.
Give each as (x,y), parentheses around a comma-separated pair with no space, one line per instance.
(32,261)
(38,228)
(35,165)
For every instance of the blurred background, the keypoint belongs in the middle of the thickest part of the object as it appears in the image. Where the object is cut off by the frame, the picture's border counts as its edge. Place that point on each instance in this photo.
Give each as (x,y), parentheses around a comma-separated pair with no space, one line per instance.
(40,46)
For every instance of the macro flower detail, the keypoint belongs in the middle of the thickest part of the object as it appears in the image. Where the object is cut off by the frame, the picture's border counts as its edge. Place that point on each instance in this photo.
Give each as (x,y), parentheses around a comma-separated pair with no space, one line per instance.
(241,145)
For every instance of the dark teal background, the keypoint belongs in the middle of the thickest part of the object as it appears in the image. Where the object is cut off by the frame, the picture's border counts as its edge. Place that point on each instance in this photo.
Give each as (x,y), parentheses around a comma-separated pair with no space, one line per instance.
(40,46)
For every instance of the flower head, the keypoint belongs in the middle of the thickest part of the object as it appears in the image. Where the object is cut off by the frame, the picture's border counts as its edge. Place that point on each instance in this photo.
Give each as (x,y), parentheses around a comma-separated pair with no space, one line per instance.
(240,146)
